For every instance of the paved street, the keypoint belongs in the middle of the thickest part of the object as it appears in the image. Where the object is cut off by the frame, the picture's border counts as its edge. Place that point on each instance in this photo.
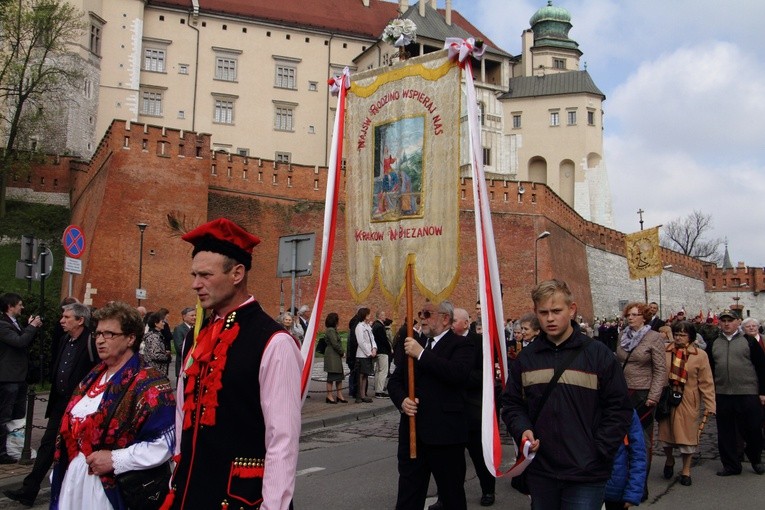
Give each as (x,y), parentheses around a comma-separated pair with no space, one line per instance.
(348,462)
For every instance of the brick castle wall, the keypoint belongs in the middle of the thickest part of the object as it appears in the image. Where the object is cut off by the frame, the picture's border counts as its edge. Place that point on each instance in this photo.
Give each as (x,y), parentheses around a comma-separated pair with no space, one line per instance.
(142,173)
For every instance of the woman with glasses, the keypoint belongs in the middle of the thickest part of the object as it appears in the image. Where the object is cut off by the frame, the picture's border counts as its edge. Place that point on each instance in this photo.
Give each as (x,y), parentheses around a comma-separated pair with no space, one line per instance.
(121,418)
(690,375)
(154,348)
(641,354)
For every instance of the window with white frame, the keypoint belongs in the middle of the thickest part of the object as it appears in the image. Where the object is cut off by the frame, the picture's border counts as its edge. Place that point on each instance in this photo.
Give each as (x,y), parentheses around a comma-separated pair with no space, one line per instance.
(285,76)
(571,117)
(183,69)
(284,118)
(591,118)
(151,102)
(516,121)
(154,60)
(559,63)
(282,157)
(224,111)
(225,68)
(555,118)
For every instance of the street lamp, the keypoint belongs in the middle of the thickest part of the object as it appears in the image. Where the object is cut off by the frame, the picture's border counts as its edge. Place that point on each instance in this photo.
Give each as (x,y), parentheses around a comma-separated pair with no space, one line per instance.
(536,262)
(661,310)
(141,226)
(739,309)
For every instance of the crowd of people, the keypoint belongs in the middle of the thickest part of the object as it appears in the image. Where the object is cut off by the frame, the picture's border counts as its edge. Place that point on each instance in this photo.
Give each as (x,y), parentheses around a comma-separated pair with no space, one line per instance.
(584,399)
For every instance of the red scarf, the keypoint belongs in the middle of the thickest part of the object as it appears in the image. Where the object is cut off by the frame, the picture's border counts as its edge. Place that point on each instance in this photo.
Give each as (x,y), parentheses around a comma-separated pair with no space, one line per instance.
(677,372)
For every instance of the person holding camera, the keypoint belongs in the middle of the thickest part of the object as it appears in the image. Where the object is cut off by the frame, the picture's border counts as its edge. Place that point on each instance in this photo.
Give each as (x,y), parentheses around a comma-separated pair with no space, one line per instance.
(14,363)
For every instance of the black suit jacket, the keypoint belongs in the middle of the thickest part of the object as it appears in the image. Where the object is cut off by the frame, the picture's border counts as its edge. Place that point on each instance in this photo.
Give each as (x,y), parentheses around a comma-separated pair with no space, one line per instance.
(85,358)
(656,323)
(14,349)
(440,378)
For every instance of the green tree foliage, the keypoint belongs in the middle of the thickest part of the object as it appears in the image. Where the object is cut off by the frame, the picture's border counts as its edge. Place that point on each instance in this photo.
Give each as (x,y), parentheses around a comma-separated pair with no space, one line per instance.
(38,68)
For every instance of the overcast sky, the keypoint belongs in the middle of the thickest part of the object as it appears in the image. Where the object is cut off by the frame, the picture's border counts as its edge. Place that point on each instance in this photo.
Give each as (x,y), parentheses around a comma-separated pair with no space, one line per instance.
(685,105)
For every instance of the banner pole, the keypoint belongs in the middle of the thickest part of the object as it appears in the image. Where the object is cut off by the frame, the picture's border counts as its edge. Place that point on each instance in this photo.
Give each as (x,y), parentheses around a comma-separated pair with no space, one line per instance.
(410,360)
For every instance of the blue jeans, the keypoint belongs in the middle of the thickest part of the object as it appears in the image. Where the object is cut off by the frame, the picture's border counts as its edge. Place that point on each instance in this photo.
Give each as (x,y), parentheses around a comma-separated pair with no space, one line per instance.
(551,494)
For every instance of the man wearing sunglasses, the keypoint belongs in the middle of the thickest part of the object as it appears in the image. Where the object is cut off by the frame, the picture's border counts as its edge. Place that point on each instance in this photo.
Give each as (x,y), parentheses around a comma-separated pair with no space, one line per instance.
(442,362)
(738,365)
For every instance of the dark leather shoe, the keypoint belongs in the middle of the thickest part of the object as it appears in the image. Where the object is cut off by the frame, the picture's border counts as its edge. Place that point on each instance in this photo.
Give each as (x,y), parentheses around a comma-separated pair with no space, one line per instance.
(7,459)
(668,470)
(436,506)
(759,468)
(685,480)
(20,495)
(330,401)
(728,472)
(487,500)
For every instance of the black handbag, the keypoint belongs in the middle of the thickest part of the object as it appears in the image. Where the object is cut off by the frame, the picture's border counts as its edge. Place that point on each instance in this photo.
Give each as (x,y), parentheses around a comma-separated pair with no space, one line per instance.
(145,489)
(141,489)
(321,345)
(521,482)
(669,398)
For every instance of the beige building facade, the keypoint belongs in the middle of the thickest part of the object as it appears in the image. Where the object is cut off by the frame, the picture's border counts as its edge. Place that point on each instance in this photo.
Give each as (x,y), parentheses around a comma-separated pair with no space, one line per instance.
(253,74)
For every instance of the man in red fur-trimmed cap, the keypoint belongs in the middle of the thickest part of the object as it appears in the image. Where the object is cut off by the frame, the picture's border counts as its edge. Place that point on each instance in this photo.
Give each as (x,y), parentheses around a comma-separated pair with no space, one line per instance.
(239,418)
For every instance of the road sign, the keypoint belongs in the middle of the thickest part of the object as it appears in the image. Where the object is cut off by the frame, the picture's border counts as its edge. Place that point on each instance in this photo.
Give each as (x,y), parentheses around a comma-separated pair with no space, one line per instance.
(38,270)
(295,255)
(73,266)
(73,241)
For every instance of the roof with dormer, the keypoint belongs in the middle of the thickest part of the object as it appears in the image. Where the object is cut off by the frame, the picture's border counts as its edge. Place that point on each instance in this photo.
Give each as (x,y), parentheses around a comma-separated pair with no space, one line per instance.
(349,17)
(571,82)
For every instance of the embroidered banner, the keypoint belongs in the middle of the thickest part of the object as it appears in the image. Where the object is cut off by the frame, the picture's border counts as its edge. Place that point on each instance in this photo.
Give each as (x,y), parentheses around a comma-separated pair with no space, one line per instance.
(643,253)
(402,139)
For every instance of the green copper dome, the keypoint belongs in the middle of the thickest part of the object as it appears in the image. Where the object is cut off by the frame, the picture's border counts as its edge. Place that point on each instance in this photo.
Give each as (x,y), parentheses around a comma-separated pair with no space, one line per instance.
(550,25)
(550,13)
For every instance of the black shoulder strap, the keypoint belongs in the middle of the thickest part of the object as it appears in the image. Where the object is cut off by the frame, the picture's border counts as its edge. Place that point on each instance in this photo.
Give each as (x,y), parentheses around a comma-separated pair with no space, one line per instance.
(558,373)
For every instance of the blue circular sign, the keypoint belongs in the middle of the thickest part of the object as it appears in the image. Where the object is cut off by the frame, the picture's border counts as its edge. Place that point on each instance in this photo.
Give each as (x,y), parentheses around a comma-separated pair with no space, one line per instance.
(73,241)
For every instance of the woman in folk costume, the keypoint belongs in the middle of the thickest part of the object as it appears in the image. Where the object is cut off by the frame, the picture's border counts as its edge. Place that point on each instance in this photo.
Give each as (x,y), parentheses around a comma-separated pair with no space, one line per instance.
(690,374)
(140,430)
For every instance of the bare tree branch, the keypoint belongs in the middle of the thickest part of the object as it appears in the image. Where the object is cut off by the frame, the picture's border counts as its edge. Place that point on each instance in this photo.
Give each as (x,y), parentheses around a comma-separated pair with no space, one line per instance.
(688,236)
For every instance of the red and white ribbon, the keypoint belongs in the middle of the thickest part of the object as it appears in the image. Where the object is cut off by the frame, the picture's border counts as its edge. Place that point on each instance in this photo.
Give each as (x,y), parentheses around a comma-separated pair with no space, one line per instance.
(342,84)
(524,456)
(343,80)
(462,48)
(493,341)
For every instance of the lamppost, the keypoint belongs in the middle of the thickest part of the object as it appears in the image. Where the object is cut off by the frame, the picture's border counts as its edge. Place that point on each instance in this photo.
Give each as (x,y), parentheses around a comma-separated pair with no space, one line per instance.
(661,310)
(536,262)
(738,308)
(141,226)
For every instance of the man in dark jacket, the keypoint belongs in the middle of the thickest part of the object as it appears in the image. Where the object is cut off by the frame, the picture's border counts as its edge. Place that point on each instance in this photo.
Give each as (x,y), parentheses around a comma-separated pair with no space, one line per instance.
(441,368)
(383,354)
(75,357)
(578,430)
(14,360)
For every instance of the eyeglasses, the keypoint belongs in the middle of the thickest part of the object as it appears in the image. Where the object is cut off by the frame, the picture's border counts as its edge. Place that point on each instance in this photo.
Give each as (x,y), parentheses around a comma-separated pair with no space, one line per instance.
(108,335)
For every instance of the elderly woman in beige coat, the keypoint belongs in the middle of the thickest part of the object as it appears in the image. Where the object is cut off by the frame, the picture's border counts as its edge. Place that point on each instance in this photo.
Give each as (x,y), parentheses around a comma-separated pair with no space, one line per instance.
(691,374)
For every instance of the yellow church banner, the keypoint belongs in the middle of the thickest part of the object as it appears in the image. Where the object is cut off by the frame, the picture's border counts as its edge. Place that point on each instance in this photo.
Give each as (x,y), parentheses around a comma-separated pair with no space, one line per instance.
(402,154)
(643,253)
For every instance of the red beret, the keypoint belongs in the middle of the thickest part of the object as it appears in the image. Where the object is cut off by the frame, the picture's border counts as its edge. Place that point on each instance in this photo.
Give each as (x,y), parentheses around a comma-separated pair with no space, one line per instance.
(225,237)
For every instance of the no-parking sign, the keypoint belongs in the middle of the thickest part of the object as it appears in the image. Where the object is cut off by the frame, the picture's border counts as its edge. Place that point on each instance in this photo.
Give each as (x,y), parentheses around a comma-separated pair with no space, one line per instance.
(73,241)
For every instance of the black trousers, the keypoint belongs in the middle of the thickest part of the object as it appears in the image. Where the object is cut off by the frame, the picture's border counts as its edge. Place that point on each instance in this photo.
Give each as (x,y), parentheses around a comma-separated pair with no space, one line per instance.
(45,453)
(447,465)
(475,449)
(742,413)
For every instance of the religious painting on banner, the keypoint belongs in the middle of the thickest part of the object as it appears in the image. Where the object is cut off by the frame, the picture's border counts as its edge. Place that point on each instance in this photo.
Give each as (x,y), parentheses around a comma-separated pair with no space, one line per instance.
(643,253)
(402,183)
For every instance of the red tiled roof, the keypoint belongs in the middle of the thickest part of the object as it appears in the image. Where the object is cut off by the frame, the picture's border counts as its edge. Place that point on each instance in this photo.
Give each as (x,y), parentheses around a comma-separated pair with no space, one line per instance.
(342,16)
